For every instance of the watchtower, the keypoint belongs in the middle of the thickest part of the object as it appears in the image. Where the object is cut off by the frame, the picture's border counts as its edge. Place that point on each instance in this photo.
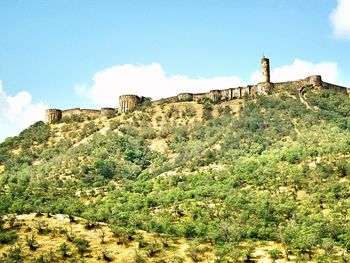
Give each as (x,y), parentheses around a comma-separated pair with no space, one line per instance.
(128,102)
(265,69)
(53,116)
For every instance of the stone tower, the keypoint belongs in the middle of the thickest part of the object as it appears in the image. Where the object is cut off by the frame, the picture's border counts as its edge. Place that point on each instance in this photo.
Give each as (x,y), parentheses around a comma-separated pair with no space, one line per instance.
(315,80)
(265,69)
(53,116)
(128,102)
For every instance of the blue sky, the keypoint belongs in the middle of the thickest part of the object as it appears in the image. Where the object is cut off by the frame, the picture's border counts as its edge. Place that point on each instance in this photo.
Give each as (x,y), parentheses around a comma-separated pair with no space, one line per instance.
(65,54)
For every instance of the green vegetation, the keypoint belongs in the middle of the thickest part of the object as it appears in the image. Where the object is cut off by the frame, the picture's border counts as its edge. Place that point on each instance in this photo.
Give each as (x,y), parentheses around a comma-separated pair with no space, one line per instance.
(277,172)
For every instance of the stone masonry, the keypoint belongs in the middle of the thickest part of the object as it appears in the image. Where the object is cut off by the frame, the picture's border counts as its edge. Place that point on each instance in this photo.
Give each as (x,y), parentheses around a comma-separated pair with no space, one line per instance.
(130,102)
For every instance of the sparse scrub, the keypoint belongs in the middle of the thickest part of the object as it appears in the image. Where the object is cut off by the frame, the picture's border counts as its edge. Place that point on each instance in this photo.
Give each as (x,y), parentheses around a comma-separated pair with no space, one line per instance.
(31,242)
(190,111)
(15,254)
(275,254)
(63,249)
(194,253)
(42,227)
(138,258)
(82,245)
(106,256)
(12,221)
(153,248)
(276,171)
(123,236)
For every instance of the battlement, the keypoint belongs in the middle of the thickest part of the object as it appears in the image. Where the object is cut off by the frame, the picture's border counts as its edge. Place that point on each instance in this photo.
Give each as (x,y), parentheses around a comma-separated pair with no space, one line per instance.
(56,115)
(107,111)
(129,102)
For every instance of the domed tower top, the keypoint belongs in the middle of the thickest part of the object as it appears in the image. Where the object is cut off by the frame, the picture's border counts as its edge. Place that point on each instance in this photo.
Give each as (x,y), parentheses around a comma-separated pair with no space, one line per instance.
(265,69)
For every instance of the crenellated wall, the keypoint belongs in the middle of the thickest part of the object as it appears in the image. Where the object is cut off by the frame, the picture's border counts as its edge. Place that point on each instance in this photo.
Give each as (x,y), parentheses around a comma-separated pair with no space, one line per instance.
(130,102)
(221,95)
(55,115)
(252,90)
(108,111)
(80,112)
(315,81)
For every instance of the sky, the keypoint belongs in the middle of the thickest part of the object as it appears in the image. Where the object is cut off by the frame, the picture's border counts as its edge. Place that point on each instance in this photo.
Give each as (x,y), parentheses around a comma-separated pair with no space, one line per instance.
(85,53)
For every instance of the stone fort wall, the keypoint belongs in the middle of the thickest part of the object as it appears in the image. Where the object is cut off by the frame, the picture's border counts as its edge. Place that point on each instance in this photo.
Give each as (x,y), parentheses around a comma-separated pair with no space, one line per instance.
(56,115)
(129,102)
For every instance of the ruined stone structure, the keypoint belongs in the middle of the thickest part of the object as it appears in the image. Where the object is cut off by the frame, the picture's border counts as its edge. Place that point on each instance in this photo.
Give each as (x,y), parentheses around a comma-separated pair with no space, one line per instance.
(53,115)
(107,111)
(129,102)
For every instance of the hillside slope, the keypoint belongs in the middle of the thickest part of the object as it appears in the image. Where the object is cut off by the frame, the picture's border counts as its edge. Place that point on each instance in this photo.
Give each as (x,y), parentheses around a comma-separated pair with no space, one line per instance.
(224,179)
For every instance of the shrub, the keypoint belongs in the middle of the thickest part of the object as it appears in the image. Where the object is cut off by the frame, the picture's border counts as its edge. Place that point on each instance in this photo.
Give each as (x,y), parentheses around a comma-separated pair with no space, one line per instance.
(64,250)
(32,243)
(81,244)
(124,236)
(138,258)
(207,111)
(153,248)
(275,254)
(8,237)
(15,254)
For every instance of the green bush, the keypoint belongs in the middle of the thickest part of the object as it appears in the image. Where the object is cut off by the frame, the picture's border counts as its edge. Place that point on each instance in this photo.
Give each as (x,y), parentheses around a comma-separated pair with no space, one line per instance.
(8,237)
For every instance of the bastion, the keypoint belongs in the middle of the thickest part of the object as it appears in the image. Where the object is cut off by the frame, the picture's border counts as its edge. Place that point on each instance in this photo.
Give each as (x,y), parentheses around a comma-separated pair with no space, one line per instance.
(129,102)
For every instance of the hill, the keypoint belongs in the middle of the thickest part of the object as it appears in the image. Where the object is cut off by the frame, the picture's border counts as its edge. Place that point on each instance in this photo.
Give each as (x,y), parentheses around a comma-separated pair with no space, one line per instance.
(250,179)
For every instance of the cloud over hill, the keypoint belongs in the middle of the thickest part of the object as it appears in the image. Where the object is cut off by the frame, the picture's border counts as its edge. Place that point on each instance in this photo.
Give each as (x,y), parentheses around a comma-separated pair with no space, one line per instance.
(18,112)
(300,69)
(152,81)
(147,80)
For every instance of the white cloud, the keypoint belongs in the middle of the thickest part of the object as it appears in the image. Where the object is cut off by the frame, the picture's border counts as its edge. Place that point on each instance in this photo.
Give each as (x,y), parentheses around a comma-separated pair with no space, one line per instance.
(300,69)
(149,80)
(81,89)
(18,112)
(340,19)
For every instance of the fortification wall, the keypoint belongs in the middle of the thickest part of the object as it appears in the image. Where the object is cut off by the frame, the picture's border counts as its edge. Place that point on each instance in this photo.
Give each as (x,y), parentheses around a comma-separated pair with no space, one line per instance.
(315,81)
(107,111)
(200,96)
(70,112)
(87,113)
(166,100)
(290,84)
(252,90)
(56,115)
(216,95)
(90,112)
(335,87)
(129,102)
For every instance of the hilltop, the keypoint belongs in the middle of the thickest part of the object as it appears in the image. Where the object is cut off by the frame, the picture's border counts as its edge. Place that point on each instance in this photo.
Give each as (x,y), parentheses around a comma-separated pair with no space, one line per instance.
(130,102)
(252,178)
(248,173)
